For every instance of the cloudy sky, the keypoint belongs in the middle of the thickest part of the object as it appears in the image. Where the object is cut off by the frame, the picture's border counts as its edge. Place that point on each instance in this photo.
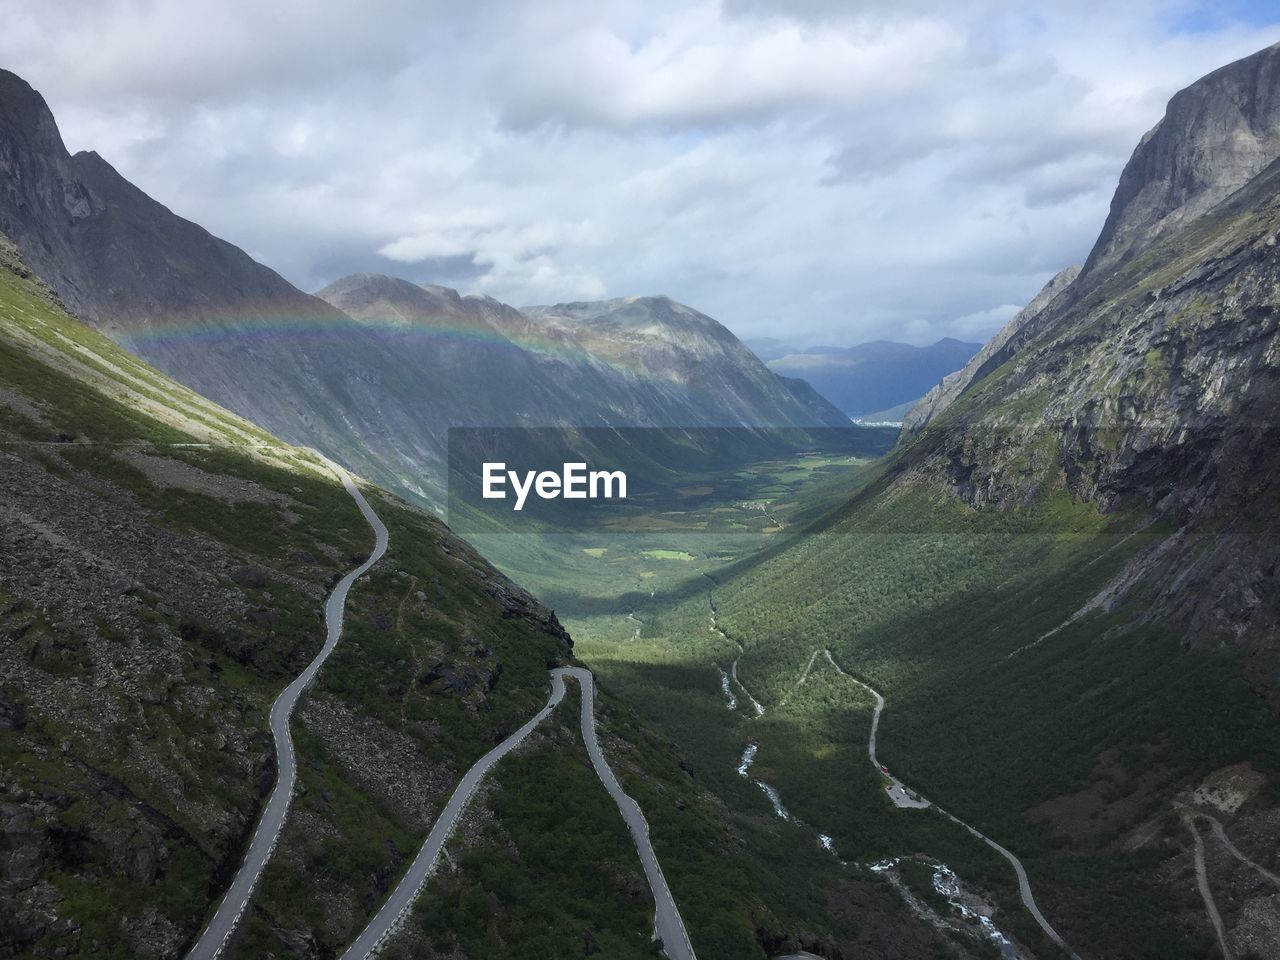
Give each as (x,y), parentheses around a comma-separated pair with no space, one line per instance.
(823,171)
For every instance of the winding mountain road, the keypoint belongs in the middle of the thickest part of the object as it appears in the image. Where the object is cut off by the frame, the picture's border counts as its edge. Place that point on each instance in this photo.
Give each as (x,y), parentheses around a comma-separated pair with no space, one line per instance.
(905,798)
(668,925)
(1189,816)
(667,921)
(396,907)
(1206,891)
(227,917)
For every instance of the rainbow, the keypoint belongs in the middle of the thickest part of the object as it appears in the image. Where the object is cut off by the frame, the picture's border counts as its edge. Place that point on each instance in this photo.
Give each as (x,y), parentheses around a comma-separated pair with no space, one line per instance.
(246,327)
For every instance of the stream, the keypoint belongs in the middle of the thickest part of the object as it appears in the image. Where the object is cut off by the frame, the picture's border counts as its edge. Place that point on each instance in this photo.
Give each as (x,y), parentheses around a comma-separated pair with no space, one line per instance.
(972,910)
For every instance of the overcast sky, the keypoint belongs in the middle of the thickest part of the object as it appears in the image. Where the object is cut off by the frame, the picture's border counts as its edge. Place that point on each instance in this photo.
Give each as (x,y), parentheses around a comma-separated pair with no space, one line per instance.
(822,171)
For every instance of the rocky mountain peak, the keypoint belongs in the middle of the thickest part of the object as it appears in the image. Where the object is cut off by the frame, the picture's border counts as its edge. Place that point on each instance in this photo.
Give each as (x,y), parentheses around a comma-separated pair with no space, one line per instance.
(376,298)
(1215,136)
(25,116)
(656,319)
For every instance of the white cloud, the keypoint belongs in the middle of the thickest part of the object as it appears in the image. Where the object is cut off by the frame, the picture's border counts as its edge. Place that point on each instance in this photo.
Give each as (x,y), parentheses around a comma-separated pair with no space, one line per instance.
(827,171)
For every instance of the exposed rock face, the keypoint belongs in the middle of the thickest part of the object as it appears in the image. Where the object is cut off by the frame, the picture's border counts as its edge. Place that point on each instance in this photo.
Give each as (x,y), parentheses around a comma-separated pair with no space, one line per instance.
(119,259)
(1151,386)
(1215,136)
(998,349)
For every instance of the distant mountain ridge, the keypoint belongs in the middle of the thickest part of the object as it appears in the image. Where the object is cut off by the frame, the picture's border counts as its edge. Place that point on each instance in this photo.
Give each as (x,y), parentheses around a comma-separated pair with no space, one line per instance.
(869,378)
(991,354)
(377,387)
(635,361)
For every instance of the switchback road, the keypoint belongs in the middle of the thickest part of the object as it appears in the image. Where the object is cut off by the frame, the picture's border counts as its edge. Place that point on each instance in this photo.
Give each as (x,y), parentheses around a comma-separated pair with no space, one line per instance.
(667,921)
(905,798)
(227,917)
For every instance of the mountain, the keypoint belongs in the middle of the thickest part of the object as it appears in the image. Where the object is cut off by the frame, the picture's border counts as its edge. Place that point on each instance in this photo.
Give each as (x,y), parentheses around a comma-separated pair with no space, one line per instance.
(195,306)
(994,352)
(375,392)
(1215,136)
(636,361)
(1062,583)
(871,377)
(690,357)
(1150,380)
(163,569)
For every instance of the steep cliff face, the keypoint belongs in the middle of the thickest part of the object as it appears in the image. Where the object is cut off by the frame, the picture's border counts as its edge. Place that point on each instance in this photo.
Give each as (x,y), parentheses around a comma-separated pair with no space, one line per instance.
(1152,386)
(1215,136)
(118,258)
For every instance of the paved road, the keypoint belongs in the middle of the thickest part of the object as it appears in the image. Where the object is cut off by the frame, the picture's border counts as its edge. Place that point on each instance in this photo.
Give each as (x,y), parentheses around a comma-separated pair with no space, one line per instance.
(265,836)
(904,798)
(1189,815)
(667,922)
(898,793)
(388,919)
(669,925)
(1206,892)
